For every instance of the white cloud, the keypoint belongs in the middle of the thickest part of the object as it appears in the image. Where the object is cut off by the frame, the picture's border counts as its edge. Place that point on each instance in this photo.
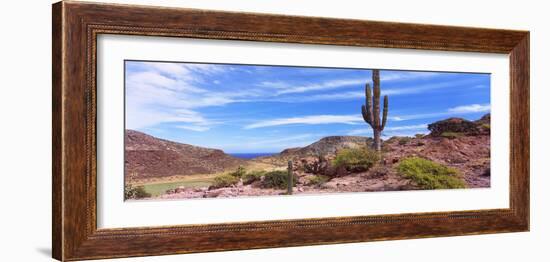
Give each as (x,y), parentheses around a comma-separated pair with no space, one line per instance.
(171,69)
(277,141)
(167,92)
(274,84)
(289,88)
(332,84)
(411,127)
(267,144)
(308,120)
(405,75)
(464,109)
(361,93)
(473,108)
(195,128)
(368,130)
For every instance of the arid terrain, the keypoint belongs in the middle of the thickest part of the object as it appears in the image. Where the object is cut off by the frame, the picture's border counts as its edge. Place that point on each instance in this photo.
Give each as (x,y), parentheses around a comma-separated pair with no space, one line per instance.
(456,150)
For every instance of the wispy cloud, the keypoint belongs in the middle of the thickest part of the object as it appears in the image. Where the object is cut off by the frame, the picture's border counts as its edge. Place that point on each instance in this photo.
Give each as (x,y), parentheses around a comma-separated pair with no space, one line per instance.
(473,108)
(169,92)
(308,120)
(195,128)
(332,84)
(464,109)
(290,88)
(350,95)
(363,131)
(263,141)
(268,144)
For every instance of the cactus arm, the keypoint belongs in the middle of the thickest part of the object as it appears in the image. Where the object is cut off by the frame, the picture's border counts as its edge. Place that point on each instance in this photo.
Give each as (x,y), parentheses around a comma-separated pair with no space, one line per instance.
(364,112)
(385,113)
(368,104)
(376,98)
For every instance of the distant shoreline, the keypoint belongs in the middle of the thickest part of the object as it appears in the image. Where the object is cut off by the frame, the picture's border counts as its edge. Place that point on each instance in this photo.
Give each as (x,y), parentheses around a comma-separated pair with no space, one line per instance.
(250,155)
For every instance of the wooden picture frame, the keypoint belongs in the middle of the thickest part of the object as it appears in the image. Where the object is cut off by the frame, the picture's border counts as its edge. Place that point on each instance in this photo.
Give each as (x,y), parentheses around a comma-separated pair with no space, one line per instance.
(76,26)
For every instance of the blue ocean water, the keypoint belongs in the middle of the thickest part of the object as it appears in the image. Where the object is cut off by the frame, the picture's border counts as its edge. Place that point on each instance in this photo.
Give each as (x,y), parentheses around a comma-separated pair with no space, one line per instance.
(250,155)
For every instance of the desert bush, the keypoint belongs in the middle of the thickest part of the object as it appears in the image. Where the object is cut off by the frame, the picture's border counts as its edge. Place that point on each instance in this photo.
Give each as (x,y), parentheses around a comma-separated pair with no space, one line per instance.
(430,175)
(277,179)
(135,192)
(224,180)
(404,140)
(317,166)
(486,127)
(239,172)
(419,135)
(451,135)
(318,180)
(252,176)
(356,159)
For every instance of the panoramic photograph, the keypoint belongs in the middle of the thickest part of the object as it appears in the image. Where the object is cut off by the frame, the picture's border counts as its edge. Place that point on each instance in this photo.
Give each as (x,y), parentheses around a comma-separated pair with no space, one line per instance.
(203,130)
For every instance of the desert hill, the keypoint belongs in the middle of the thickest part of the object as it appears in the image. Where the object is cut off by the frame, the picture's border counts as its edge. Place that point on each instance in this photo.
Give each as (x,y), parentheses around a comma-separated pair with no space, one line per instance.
(147,156)
(329,145)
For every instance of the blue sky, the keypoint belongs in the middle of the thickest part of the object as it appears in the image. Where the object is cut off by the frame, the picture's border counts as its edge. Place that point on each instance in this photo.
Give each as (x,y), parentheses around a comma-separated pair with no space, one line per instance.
(261,109)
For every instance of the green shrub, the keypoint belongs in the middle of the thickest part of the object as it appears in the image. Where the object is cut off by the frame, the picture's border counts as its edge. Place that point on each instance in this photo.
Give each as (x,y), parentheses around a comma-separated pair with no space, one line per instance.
(486,127)
(419,135)
(404,140)
(277,179)
(356,159)
(391,139)
(430,175)
(240,172)
(451,135)
(132,192)
(224,180)
(250,177)
(318,180)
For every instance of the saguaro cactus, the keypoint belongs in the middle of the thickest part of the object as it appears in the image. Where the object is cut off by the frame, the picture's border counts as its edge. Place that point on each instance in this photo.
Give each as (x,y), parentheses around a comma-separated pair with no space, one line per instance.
(290,181)
(371,109)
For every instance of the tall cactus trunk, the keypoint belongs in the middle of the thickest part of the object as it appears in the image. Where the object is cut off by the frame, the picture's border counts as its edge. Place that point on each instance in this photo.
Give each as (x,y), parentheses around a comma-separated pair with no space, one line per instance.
(371,109)
(377,142)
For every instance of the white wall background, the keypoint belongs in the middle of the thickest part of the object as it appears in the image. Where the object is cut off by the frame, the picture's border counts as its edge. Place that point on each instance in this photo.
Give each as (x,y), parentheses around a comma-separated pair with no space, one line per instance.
(25,147)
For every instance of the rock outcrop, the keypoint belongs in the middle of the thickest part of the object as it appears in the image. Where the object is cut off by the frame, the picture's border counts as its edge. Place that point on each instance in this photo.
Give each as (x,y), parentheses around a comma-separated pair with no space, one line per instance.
(454,125)
(461,126)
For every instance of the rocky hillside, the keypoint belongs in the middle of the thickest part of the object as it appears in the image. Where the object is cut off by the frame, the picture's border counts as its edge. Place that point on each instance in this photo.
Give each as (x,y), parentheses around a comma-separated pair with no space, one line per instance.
(328,145)
(147,156)
(462,126)
(325,146)
(454,142)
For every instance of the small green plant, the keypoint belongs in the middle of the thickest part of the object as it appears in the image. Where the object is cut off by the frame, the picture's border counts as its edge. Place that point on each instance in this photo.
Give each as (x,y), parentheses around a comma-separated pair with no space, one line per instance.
(135,192)
(318,180)
(486,127)
(224,180)
(277,179)
(356,159)
(451,135)
(252,176)
(430,175)
(419,135)
(240,172)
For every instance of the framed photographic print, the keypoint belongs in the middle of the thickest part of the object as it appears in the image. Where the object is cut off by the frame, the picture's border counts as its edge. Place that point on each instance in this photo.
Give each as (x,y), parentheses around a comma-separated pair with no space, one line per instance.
(181,130)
